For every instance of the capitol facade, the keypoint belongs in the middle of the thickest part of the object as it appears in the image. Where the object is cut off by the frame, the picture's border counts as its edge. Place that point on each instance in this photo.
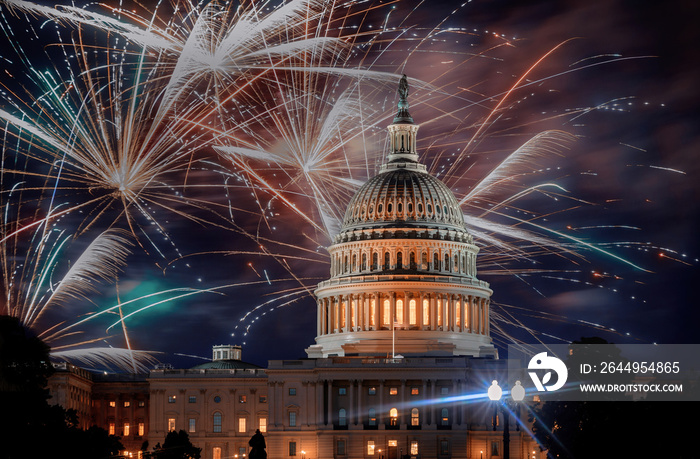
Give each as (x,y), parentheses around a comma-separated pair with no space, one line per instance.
(401,362)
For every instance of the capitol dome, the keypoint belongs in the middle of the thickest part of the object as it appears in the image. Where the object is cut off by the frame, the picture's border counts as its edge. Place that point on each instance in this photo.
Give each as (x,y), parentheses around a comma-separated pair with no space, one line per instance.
(403,266)
(406,197)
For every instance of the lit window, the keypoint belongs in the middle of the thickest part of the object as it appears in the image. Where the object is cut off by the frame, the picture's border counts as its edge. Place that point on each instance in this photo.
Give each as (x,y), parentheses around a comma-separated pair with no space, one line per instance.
(112,403)
(370,448)
(111,428)
(414,448)
(393,443)
(415,391)
(172,398)
(426,312)
(340,447)
(216,452)
(262,424)
(126,429)
(193,399)
(262,399)
(241,425)
(217,422)
(342,391)
(415,417)
(142,429)
(292,448)
(412,314)
(242,399)
(399,311)
(292,419)
(342,420)
(394,416)
(458,313)
(292,391)
(127,404)
(393,391)
(171,424)
(192,425)
(142,403)
(386,320)
(372,417)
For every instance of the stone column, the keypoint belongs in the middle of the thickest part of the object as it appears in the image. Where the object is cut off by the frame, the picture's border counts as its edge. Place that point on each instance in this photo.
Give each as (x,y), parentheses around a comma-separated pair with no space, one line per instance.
(319,403)
(351,404)
(329,412)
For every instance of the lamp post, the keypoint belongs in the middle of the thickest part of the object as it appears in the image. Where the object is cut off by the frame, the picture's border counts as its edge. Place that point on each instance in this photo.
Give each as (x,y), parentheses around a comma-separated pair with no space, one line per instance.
(495,393)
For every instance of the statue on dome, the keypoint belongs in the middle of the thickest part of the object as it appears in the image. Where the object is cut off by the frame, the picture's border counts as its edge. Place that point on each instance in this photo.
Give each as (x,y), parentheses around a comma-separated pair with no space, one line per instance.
(403,92)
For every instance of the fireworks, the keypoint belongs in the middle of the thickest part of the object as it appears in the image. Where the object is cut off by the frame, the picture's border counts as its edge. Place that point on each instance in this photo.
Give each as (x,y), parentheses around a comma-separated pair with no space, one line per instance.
(141,130)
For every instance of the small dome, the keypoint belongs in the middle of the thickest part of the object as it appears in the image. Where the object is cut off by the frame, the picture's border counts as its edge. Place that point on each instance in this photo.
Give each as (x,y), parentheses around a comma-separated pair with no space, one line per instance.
(402,197)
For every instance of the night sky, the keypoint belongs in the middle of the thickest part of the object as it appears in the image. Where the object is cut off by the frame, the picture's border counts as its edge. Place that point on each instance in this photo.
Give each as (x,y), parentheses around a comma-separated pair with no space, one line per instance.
(591,235)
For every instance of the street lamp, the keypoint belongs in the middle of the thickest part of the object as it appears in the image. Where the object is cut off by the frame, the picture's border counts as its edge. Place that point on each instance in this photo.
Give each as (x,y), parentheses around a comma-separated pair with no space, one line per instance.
(380,454)
(495,393)
(303,454)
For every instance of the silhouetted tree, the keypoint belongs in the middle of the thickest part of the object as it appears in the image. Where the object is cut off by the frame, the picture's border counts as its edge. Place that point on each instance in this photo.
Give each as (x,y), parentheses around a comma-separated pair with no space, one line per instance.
(177,445)
(30,426)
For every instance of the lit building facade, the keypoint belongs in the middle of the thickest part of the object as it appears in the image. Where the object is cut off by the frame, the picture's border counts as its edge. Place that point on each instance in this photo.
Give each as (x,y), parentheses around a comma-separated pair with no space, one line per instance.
(402,357)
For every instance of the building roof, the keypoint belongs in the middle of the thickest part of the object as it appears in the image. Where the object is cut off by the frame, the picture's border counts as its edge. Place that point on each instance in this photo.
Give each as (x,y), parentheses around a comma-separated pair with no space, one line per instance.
(226,365)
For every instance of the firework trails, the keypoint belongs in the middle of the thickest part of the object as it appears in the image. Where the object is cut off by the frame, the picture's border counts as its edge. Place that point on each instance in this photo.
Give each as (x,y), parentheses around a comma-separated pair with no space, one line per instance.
(139,143)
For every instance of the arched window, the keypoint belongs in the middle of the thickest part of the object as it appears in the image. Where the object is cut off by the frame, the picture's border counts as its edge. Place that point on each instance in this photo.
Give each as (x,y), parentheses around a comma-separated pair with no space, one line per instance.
(375,261)
(415,417)
(399,260)
(436,262)
(444,417)
(372,312)
(394,417)
(342,420)
(216,452)
(387,261)
(412,260)
(364,262)
(456,264)
(447,262)
(424,261)
(217,422)
(354,262)
(399,311)
(389,208)
(412,315)
(345,269)
(372,417)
